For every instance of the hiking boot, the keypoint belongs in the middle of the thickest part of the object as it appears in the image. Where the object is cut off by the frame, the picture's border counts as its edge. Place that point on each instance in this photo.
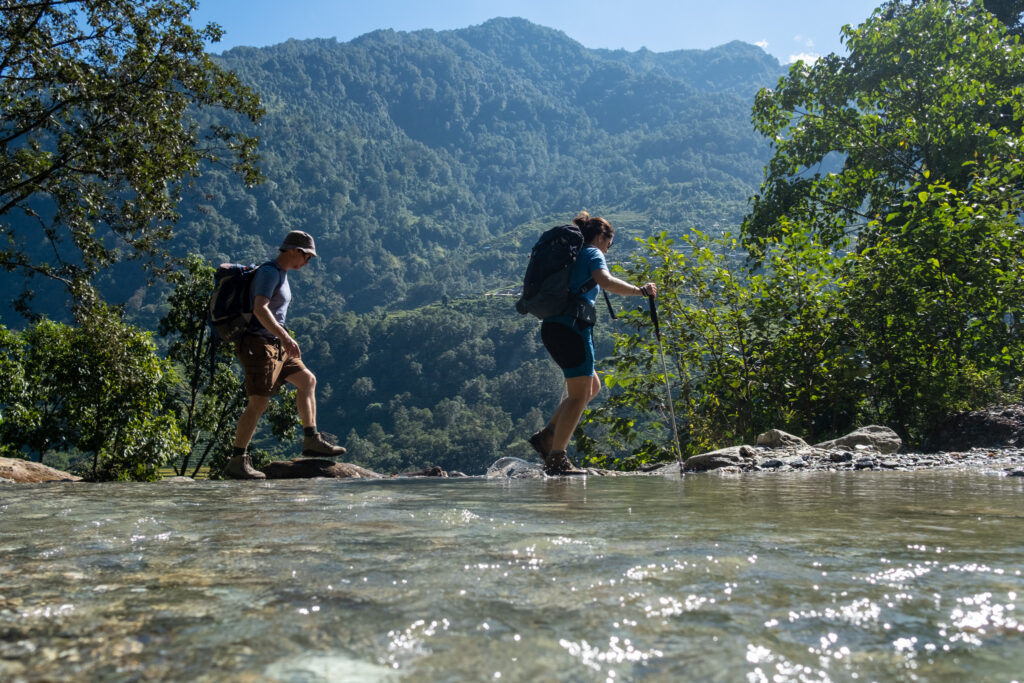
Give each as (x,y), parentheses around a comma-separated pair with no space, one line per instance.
(558,463)
(238,467)
(322,445)
(541,441)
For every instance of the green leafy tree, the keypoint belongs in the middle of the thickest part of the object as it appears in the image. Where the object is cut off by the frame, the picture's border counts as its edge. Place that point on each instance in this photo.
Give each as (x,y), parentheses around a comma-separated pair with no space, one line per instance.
(746,351)
(98,388)
(97,136)
(209,398)
(935,300)
(852,135)
(12,390)
(927,199)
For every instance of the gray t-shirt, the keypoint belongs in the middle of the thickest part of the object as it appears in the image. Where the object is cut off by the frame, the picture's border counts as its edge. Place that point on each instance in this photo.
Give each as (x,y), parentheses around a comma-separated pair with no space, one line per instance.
(271,281)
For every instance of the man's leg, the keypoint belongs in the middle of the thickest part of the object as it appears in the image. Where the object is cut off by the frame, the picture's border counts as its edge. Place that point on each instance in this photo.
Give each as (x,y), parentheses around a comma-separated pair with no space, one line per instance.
(249,420)
(238,466)
(313,442)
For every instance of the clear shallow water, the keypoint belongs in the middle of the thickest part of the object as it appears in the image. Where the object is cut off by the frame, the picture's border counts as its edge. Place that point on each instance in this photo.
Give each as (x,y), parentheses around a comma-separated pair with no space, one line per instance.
(888,576)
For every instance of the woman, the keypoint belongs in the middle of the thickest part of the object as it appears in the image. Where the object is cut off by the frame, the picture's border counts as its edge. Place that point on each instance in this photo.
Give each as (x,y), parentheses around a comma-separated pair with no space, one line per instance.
(571,343)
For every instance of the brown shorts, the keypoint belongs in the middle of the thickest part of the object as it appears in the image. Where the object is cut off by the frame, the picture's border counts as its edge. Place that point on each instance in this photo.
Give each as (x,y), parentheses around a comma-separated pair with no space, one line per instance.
(265,364)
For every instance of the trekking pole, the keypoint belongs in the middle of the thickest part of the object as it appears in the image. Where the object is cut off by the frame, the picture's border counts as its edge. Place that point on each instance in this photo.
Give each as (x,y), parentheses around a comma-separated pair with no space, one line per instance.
(668,389)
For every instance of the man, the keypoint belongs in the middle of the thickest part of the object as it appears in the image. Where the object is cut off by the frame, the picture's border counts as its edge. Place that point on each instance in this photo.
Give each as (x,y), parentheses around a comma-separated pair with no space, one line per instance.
(270,357)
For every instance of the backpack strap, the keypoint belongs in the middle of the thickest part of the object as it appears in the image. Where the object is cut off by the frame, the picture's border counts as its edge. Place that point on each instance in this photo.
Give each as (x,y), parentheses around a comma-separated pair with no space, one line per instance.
(585,287)
(589,285)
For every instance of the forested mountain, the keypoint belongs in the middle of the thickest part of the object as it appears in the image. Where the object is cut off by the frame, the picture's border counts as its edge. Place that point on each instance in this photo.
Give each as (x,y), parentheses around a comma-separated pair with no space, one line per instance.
(414,157)
(425,164)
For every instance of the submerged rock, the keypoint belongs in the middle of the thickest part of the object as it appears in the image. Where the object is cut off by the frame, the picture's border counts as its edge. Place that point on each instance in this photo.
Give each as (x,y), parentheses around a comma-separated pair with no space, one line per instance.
(27,472)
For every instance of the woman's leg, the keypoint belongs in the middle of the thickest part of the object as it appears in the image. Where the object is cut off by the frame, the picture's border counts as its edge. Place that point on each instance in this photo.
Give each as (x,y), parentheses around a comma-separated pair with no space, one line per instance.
(581,390)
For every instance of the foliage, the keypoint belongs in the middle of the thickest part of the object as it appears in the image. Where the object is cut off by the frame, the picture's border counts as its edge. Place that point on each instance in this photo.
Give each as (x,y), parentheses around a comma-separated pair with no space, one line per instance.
(457,385)
(425,163)
(930,187)
(747,351)
(12,389)
(887,291)
(98,388)
(935,298)
(890,111)
(97,135)
(209,398)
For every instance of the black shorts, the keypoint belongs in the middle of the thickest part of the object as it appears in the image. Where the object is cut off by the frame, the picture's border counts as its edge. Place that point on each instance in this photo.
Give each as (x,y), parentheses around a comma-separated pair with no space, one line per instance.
(570,347)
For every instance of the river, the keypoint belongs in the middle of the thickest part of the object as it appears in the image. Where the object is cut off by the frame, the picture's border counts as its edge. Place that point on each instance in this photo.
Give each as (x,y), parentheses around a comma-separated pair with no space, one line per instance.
(850,576)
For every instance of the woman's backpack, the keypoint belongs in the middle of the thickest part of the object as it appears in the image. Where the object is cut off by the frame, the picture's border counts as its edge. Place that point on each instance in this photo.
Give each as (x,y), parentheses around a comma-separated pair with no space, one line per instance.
(546,282)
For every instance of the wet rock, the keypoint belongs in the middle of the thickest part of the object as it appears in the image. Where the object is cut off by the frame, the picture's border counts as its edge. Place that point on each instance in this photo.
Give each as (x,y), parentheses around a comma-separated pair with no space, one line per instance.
(725,457)
(27,472)
(840,456)
(312,468)
(776,438)
(873,437)
(515,468)
(428,472)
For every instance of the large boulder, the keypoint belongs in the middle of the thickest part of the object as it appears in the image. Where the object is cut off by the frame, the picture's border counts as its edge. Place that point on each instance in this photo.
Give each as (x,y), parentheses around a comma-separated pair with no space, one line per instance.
(311,468)
(776,438)
(725,457)
(872,438)
(27,472)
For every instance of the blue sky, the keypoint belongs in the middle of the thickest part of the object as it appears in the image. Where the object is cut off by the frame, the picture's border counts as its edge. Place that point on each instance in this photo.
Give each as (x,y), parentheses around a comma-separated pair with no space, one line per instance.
(786,29)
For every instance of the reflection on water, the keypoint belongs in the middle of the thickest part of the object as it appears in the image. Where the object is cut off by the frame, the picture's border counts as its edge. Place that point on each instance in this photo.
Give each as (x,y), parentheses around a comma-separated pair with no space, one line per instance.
(816,577)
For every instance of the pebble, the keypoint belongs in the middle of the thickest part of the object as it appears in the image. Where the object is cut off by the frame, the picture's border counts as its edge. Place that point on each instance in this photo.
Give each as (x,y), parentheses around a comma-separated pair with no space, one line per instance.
(1003,461)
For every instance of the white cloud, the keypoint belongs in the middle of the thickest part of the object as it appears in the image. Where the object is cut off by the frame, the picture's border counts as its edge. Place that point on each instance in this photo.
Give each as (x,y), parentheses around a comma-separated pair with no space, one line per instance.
(763,44)
(806,57)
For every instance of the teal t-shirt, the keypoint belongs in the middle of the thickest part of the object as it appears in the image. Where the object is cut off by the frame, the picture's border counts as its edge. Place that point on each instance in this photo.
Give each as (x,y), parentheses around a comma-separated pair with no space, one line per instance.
(589,260)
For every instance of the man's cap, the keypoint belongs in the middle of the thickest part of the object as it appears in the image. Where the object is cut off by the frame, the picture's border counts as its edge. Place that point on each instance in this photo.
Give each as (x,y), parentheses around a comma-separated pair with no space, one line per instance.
(302,241)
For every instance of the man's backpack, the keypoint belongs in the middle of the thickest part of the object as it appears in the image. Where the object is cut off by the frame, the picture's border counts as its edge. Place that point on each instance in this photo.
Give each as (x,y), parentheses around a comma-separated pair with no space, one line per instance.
(546,283)
(231,304)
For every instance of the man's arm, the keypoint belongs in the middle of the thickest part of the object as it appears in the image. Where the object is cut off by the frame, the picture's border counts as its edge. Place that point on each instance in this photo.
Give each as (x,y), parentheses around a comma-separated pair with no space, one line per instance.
(261,309)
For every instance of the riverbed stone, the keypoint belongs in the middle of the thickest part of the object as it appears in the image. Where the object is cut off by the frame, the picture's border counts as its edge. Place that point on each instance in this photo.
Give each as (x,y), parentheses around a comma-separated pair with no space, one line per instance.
(313,468)
(28,472)
(776,438)
(872,438)
(714,460)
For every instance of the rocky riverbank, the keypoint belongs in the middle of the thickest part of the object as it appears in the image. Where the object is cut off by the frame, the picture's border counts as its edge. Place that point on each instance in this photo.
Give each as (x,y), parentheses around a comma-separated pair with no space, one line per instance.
(989,440)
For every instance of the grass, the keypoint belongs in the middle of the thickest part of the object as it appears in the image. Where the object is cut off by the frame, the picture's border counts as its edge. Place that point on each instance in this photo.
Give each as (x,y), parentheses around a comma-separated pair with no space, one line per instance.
(203,473)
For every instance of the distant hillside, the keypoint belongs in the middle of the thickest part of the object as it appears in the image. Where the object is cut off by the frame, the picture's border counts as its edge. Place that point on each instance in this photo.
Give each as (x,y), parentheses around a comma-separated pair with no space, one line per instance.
(412,156)
(425,162)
